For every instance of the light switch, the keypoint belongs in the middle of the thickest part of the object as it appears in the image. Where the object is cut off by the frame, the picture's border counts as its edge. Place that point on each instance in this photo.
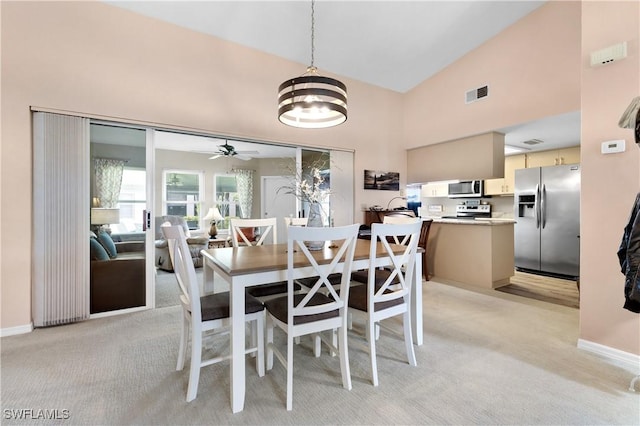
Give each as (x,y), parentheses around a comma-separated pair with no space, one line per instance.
(612,147)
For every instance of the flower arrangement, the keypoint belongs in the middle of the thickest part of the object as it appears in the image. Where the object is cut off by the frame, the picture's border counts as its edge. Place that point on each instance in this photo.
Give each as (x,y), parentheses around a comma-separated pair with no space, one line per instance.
(308,185)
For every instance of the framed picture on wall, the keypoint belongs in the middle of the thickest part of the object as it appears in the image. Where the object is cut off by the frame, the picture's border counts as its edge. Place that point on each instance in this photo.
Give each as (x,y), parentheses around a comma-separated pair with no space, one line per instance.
(388,181)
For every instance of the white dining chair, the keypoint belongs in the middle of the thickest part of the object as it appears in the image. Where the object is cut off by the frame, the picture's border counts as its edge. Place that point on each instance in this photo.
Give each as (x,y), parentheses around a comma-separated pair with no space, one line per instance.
(387,292)
(243,231)
(400,239)
(295,221)
(239,237)
(206,314)
(316,311)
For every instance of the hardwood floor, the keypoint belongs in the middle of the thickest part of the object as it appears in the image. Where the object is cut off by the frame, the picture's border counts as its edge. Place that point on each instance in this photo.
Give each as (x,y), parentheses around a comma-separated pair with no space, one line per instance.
(547,289)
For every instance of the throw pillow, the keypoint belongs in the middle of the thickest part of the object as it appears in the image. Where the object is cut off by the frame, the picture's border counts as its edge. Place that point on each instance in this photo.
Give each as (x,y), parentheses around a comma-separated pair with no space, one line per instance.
(108,244)
(97,251)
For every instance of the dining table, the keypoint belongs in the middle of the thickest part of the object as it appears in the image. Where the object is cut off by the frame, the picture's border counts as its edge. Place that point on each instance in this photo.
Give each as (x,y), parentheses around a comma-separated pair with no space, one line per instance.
(244,266)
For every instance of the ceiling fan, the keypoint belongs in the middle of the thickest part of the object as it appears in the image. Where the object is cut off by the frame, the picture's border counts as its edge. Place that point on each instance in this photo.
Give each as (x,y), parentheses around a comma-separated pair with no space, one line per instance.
(227,150)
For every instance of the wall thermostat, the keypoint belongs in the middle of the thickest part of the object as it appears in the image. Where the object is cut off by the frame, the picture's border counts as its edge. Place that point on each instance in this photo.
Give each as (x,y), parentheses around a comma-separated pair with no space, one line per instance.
(611,147)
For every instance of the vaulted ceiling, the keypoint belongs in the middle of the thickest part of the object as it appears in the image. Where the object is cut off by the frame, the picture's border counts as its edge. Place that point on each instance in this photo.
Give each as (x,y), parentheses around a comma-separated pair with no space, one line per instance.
(391,44)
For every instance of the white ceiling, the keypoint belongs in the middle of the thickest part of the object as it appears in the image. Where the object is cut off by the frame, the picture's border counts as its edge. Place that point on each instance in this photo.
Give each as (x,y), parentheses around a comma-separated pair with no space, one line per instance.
(114,135)
(391,44)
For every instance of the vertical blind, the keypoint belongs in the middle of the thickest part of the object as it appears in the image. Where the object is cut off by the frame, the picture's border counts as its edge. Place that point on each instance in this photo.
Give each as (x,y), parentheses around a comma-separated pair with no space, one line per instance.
(60,279)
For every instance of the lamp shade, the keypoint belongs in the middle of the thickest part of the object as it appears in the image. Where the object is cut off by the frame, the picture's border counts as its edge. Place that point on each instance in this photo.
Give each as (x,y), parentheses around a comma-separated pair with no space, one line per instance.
(213,214)
(104,216)
(312,101)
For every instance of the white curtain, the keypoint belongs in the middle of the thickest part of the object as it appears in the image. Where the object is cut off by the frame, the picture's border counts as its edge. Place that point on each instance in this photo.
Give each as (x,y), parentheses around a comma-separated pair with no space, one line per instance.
(60,280)
(108,180)
(244,179)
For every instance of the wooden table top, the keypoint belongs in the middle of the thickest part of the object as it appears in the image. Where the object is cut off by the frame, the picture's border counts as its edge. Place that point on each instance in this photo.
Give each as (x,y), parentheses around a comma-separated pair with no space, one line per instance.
(273,257)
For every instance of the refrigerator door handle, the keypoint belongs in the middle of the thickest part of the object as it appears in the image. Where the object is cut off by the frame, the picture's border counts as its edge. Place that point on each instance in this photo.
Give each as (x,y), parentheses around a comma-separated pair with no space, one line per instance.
(543,206)
(536,207)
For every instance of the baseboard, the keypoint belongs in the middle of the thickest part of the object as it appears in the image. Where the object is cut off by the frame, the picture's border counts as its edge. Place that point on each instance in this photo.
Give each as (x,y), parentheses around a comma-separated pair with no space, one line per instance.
(623,359)
(12,331)
(118,312)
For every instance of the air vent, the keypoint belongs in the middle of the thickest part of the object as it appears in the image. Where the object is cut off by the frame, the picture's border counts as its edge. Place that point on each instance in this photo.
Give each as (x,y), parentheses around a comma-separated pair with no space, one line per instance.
(609,54)
(533,142)
(476,94)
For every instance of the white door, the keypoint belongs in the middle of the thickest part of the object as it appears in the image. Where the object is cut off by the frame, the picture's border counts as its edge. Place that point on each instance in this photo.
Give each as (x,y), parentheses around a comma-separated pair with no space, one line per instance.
(277,204)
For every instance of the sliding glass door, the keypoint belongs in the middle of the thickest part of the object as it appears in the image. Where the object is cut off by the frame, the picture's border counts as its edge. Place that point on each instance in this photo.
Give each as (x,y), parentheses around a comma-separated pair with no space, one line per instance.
(120,276)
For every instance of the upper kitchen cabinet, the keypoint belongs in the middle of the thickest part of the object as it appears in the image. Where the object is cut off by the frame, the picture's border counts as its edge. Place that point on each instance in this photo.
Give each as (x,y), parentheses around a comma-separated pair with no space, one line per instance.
(475,157)
(506,185)
(435,189)
(554,157)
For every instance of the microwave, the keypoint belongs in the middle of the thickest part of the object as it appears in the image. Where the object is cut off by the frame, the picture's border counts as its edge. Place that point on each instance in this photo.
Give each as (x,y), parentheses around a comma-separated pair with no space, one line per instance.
(466,189)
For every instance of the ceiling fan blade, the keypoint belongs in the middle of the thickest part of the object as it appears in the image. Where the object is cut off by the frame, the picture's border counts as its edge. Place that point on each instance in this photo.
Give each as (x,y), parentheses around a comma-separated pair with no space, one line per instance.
(242,157)
(215,156)
(247,152)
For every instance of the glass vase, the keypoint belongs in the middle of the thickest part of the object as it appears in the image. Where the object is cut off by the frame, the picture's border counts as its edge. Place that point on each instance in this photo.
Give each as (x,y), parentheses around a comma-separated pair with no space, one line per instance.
(315,221)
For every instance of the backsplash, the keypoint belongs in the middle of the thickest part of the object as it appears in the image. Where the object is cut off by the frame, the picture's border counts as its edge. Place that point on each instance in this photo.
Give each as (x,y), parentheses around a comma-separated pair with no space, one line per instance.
(441,206)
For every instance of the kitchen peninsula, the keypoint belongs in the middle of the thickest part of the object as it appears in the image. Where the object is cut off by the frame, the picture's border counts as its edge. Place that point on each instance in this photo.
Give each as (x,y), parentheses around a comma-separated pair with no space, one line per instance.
(475,252)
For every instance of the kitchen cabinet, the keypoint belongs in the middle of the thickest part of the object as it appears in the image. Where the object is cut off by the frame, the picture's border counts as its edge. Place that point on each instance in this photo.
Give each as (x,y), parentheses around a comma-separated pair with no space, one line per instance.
(506,185)
(554,157)
(473,157)
(435,189)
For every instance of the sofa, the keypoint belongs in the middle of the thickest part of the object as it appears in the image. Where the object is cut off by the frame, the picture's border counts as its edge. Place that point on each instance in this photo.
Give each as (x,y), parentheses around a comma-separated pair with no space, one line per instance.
(117,274)
(196,244)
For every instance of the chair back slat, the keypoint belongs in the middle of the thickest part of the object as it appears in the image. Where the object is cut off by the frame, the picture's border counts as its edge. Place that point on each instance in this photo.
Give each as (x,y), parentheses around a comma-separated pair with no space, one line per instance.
(344,238)
(267,226)
(400,239)
(184,269)
(401,265)
(295,221)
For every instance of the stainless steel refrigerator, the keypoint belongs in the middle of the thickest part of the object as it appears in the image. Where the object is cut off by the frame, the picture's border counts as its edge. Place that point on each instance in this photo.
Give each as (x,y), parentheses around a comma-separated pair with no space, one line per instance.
(547,214)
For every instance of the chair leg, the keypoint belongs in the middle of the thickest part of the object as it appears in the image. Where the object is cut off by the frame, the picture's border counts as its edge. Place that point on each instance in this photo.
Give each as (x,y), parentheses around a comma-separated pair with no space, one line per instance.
(425,267)
(289,372)
(335,342)
(408,339)
(372,351)
(269,329)
(317,344)
(260,344)
(182,350)
(253,336)
(196,361)
(344,357)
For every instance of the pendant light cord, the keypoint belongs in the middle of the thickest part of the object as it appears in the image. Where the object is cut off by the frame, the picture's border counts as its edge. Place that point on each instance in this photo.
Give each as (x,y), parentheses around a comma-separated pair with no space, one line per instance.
(313,19)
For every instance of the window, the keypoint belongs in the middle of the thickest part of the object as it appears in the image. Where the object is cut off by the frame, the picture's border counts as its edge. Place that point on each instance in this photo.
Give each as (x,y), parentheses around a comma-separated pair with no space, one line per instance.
(132,201)
(226,196)
(182,195)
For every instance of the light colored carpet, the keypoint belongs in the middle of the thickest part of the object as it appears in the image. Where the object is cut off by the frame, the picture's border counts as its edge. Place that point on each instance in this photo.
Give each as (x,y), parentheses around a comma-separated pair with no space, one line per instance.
(488,358)
(167,291)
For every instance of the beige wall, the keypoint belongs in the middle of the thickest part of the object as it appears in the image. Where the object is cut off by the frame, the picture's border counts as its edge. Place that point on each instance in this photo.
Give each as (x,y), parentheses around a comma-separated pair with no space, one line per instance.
(609,182)
(69,56)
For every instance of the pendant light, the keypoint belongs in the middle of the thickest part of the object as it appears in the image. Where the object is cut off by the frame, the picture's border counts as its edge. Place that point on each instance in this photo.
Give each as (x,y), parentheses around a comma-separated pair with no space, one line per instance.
(312,101)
